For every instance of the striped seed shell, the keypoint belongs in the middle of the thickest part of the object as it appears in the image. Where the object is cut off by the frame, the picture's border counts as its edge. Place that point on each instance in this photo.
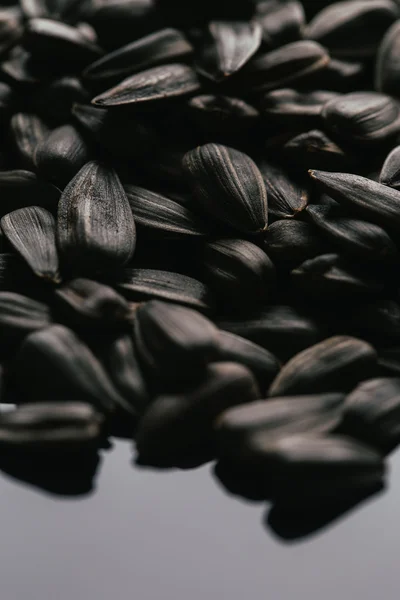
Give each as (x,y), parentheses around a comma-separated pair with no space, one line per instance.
(363,117)
(175,428)
(369,198)
(283,330)
(222,115)
(315,149)
(286,196)
(354,236)
(281,22)
(295,108)
(227,47)
(95,225)
(283,66)
(158,47)
(336,364)
(61,155)
(54,363)
(20,316)
(352,28)
(138,285)
(159,83)
(229,186)
(283,416)
(387,66)
(293,242)
(83,302)
(372,413)
(49,426)
(158,214)
(173,341)
(263,364)
(238,271)
(27,131)
(390,172)
(32,232)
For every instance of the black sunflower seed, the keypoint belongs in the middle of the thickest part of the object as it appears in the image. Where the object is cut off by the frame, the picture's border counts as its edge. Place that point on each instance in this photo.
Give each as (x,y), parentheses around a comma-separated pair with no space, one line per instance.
(228,46)
(223,115)
(281,22)
(159,83)
(19,188)
(95,225)
(61,155)
(390,172)
(19,316)
(165,45)
(229,186)
(55,99)
(387,64)
(32,232)
(286,196)
(10,28)
(292,242)
(27,132)
(316,148)
(336,364)
(296,109)
(148,284)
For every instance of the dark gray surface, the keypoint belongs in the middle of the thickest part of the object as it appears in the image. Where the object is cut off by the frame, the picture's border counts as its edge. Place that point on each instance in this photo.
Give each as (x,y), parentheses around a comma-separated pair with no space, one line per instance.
(177,535)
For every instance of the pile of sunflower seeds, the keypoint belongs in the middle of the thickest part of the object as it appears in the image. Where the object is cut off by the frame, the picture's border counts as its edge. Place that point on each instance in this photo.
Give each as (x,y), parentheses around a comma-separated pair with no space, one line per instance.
(200,244)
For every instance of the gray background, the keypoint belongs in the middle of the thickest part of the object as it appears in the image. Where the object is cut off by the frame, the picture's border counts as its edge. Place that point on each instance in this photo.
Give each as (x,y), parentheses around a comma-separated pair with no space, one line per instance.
(177,535)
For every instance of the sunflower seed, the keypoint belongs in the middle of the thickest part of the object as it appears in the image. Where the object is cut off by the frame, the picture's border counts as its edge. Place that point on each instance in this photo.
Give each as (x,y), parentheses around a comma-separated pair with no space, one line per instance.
(296,109)
(370,199)
(50,426)
(335,365)
(20,316)
(390,172)
(286,196)
(287,415)
(387,62)
(17,67)
(223,115)
(281,22)
(293,242)
(238,271)
(55,99)
(228,185)
(61,155)
(95,223)
(283,330)
(21,188)
(87,303)
(162,215)
(363,116)
(162,46)
(54,363)
(316,148)
(174,342)
(179,427)
(10,28)
(149,284)
(358,238)
(263,364)
(27,132)
(352,28)
(32,232)
(378,321)
(159,83)
(228,46)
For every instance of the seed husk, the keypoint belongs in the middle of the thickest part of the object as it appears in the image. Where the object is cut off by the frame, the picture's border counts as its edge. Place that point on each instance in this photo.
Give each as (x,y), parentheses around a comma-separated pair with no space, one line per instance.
(335,364)
(32,233)
(152,284)
(227,47)
(27,131)
(59,42)
(363,117)
(61,155)
(238,271)
(283,66)
(316,148)
(174,341)
(263,364)
(340,76)
(286,196)
(87,303)
(373,200)
(390,172)
(354,236)
(158,214)
(223,115)
(179,427)
(54,363)
(292,242)
(20,316)
(55,99)
(372,413)
(387,63)
(162,46)
(281,22)
(52,426)
(156,84)
(95,226)
(283,416)
(16,68)
(283,330)
(229,186)
(294,108)
(352,28)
